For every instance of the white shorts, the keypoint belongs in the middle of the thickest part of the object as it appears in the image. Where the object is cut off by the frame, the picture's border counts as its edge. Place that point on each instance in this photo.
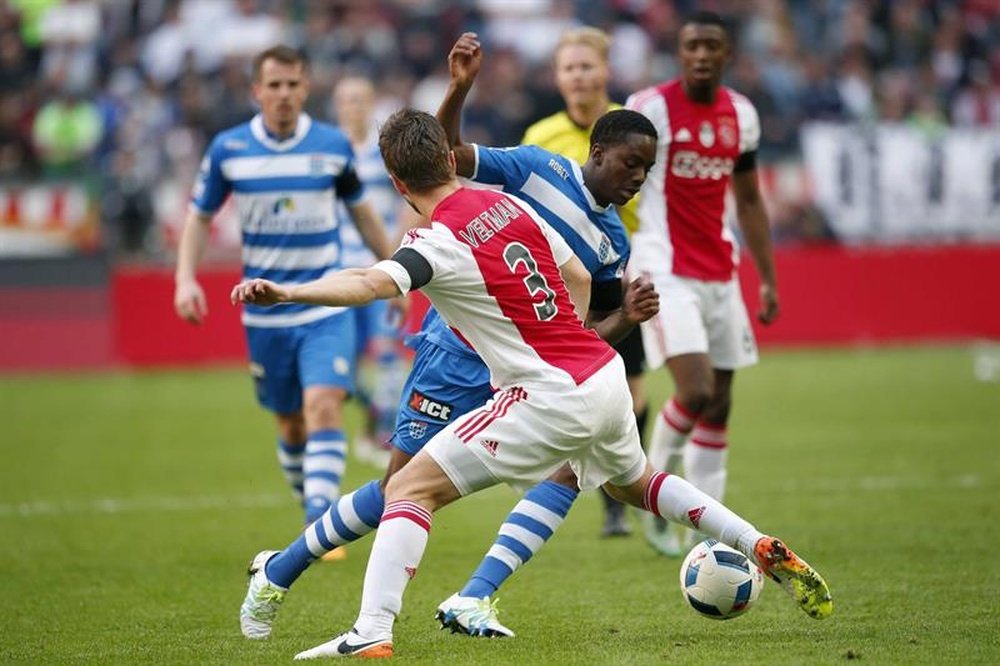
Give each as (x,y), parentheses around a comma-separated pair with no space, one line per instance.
(699,317)
(522,436)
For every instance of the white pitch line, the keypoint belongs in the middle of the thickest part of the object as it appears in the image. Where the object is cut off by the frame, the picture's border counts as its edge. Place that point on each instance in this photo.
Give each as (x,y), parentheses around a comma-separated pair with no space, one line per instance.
(144,504)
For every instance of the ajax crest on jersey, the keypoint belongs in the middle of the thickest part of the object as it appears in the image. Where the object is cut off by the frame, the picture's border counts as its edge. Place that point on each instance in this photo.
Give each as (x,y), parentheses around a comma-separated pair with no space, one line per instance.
(719,582)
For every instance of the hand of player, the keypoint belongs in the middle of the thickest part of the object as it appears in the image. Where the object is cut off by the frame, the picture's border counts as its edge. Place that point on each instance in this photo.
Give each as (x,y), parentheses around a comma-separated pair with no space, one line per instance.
(189,302)
(640,301)
(769,307)
(464,59)
(258,292)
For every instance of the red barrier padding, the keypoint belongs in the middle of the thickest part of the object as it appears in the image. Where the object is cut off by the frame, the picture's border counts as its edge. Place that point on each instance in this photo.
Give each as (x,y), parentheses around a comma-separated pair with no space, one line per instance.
(876,295)
(148,333)
(829,295)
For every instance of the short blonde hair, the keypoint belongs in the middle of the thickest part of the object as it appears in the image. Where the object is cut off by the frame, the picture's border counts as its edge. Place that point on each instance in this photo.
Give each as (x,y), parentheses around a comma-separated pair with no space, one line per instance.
(595,38)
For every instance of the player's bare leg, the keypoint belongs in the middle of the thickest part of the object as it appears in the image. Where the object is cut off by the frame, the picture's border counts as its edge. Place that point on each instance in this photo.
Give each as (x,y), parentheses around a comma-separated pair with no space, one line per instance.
(412,495)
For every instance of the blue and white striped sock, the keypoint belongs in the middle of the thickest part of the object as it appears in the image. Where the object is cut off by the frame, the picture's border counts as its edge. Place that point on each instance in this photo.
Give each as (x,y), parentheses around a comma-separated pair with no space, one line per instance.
(348,519)
(326,453)
(523,533)
(290,458)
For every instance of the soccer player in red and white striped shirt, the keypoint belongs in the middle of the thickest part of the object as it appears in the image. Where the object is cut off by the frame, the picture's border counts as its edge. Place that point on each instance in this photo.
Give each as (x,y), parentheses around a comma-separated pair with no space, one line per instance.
(708,137)
(514,290)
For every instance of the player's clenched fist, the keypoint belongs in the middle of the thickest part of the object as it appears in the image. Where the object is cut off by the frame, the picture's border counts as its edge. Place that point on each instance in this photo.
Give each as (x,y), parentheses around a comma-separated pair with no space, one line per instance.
(641,302)
(258,292)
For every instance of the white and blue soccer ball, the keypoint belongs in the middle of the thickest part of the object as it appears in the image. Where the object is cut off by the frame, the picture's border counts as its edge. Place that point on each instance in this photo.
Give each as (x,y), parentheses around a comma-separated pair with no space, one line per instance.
(719,582)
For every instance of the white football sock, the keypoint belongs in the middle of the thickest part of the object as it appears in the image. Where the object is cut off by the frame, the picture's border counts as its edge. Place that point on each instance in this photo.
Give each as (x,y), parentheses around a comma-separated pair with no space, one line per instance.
(671,430)
(705,459)
(399,546)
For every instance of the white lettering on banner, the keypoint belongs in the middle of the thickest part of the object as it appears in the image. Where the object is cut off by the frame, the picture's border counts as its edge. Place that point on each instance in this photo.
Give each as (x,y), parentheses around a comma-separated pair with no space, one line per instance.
(889,183)
(691,164)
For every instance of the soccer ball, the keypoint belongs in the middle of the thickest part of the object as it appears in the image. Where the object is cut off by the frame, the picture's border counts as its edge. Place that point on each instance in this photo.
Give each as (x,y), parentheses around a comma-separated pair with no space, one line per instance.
(719,582)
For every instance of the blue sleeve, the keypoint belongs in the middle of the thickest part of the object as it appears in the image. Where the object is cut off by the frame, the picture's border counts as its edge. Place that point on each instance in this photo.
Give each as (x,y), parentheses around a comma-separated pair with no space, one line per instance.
(210,187)
(507,167)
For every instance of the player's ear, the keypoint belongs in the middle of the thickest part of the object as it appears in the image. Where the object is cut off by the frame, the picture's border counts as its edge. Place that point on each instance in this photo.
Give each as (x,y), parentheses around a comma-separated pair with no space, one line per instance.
(597,154)
(398,184)
(452,163)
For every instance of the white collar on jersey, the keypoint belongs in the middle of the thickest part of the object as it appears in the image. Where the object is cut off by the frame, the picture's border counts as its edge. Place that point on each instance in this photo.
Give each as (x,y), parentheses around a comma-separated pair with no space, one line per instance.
(260,133)
(578,173)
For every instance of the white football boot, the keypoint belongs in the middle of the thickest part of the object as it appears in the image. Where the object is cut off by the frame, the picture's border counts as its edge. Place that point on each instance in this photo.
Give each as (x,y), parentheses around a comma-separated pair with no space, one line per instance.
(262,601)
(472,616)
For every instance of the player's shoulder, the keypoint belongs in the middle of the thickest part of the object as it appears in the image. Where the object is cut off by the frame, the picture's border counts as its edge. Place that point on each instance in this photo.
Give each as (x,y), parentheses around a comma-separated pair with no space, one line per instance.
(236,139)
(651,95)
(328,134)
(738,99)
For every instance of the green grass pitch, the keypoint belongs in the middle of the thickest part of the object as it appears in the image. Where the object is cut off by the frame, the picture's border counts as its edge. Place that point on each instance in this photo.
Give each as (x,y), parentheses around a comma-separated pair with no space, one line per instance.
(131,502)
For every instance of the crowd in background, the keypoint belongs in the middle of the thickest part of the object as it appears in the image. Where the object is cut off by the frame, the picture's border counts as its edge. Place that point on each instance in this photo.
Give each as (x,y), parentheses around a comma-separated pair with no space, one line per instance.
(127,92)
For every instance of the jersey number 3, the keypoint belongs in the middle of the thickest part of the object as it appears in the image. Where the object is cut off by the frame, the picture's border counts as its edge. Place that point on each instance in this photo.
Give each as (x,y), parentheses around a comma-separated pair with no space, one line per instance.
(515,254)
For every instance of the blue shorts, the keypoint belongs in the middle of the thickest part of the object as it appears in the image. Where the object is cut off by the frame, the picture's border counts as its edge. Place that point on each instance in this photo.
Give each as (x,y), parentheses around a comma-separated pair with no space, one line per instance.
(286,361)
(441,387)
(372,321)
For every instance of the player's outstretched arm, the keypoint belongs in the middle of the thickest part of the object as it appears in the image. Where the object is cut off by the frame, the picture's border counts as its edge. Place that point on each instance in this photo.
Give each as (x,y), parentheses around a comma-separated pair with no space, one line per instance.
(464,61)
(354,286)
(752,217)
(189,298)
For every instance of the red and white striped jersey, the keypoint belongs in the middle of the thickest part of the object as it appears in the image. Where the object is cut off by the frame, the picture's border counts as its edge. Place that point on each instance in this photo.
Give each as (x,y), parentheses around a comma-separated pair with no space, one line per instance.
(682,204)
(496,281)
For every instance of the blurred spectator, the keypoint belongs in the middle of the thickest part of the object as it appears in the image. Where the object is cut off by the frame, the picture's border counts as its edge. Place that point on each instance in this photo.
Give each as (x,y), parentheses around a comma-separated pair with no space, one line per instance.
(979,104)
(819,98)
(69,31)
(165,74)
(65,133)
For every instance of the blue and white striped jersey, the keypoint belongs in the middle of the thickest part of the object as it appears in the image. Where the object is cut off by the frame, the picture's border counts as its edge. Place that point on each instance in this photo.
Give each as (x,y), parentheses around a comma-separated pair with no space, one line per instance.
(285,194)
(380,193)
(554,187)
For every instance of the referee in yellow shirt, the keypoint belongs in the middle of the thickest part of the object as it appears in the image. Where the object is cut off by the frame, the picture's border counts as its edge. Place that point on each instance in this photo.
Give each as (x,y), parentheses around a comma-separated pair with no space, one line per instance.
(581,72)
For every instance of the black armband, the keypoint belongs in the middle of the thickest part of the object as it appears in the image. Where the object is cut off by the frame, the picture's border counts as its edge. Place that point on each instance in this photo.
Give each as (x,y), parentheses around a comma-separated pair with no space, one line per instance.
(746,161)
(419,270)
(606,296)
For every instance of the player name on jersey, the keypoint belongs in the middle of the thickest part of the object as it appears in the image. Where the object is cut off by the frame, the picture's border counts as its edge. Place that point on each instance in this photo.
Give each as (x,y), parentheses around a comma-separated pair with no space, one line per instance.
(484,226)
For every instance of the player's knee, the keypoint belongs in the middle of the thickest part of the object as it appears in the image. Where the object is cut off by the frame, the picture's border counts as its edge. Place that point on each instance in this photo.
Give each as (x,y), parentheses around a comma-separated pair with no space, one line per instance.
(695,399)
(323,408)
(565,476)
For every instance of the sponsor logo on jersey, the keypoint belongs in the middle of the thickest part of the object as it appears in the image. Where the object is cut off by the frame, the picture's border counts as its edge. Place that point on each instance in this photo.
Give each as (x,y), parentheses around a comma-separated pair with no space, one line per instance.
(235,144)
(694,515)
(417,429)
(727,132)
(682,135)
(491,446)
(691,164)
(706,135)
(604,250)
(283,203)
(435,409)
